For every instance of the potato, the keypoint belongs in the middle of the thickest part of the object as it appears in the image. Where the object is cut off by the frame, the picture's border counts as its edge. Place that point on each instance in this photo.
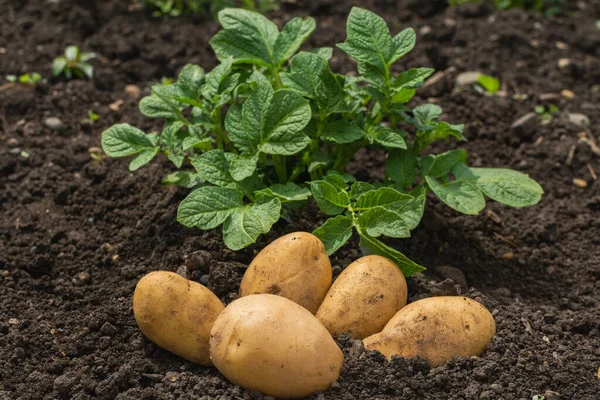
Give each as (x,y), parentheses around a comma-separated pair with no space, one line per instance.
(295,266)
(176,314)
(363,298)
(270,344)
(436,329)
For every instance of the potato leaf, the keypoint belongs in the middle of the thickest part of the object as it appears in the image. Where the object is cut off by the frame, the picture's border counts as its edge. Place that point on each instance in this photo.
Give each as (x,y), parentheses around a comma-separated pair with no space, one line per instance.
(209,206)
(335,232)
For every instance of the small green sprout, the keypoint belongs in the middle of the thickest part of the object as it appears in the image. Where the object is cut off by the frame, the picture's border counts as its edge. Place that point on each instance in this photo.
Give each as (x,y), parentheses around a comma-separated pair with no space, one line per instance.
(92,116)
(546,113)
(74,64)
(26,79)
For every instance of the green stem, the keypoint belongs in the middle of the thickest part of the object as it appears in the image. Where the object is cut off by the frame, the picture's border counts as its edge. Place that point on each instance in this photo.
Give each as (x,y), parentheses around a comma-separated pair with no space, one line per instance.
(280,168)
(296,172)
(275,72)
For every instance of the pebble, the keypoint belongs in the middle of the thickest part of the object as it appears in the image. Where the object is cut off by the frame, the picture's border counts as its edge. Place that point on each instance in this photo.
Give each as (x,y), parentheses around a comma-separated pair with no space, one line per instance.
(133,91)
(15,150)
(13,321)
(580,183)
(84,277)
(567,94)
(357,349)
(467,78)
(54,123)
(496,388)
(579,119)
(12,142)
(564,62)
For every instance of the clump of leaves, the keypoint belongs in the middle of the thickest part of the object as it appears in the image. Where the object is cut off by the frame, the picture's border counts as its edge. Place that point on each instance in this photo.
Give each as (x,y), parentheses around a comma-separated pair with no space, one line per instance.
(27,79)
(74,64)
(546,113)
(174,8)
(270,127)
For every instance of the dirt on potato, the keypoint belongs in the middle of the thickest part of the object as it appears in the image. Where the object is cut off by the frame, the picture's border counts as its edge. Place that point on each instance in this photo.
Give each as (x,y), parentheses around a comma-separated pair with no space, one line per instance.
(76,233)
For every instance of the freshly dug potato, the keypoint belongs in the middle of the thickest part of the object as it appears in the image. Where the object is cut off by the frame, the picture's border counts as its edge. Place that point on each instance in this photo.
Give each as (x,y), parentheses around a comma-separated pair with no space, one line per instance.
(270,344)
(176,314)
(295,266)
(363,298)
(436,329)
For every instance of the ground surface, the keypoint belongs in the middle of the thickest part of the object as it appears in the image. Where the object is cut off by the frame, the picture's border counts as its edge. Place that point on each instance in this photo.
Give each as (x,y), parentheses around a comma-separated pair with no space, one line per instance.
(76,235)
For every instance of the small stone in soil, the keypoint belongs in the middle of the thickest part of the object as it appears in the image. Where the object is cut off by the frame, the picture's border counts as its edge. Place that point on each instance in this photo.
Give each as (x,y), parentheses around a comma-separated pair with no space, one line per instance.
(133,91)
(204,279)
(54,123)
(564,62)
(579,119)
(108,329)
(580,183)
(448,272)
(467,78)
(183,272)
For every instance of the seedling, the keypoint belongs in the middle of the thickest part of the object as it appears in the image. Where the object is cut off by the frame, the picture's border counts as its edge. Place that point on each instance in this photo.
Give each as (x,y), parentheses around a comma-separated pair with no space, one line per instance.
(271,126)
(92,116)
(546,113)
(74,64)
(26,79)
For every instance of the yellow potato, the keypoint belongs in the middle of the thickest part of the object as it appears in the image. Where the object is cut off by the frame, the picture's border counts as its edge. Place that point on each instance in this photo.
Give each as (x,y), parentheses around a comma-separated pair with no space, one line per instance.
(270,344)
(437,329)
(176,314)
(363,298)
(295,266)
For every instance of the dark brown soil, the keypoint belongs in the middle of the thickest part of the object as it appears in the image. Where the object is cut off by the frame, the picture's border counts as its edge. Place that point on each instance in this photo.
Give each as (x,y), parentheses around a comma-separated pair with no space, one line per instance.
(76,234)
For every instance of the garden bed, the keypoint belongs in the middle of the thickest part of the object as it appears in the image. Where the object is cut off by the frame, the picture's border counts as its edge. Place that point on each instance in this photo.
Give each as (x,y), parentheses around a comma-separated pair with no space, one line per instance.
(76,234)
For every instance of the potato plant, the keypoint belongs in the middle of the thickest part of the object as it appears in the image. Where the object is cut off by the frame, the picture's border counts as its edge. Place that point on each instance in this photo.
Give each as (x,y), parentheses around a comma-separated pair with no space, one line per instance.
(175,8)
(271,126)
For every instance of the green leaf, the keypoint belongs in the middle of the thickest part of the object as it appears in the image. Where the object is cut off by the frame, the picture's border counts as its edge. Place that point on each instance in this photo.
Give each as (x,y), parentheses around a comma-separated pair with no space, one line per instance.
(248,37)
(325,52)
(143,158)
(336,180)
(412,78)
(246,224)
(235,129)
(389,138)
(185,179)
(382,197)
(370,245)
(369,38)
(213,167)
(441,164)
(209,206)
(191,78)
(72,53)
(58,66)
(426,113)
(123,140)
(330,199)
(489,83)
(402,44)
(359,188)
(284,121)
(216,78)
(242,167)
(335,232)
(288,193)
(460,195)
(342,132)
(294,33)
(155,107)
(311,76)
(379,221)
(412,211)
(403,96)
(401,167)
(505,186)
(444,130)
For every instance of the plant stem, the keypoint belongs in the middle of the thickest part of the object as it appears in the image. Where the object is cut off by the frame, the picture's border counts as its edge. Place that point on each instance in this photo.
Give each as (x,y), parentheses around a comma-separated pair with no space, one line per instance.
(275,72)
(280,168)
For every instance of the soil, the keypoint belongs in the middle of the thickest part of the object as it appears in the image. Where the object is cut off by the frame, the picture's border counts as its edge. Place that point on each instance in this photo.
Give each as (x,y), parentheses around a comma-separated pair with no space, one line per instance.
(76,234)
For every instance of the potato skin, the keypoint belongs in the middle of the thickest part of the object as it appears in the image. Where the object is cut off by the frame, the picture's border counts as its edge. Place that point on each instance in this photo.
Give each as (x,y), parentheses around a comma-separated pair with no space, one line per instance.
(270,344)
(436,329)
(363,298)
(177,314)
(295,266)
